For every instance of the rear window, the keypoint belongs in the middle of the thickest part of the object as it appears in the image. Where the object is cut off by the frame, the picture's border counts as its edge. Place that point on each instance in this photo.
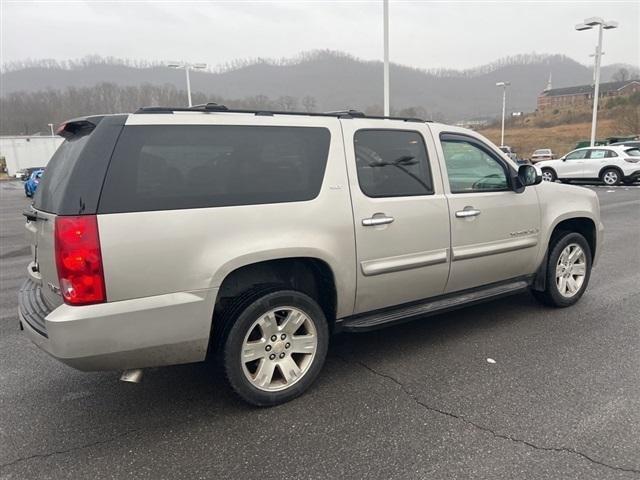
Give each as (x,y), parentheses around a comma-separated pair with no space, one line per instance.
(53,185)
(167,167)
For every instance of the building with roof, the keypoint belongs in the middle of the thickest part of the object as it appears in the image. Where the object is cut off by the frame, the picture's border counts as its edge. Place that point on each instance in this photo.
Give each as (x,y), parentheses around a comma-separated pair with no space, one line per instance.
(582,95)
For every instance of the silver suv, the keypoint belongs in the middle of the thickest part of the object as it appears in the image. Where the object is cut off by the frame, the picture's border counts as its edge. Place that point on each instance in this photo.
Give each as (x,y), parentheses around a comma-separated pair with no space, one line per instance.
(171,235)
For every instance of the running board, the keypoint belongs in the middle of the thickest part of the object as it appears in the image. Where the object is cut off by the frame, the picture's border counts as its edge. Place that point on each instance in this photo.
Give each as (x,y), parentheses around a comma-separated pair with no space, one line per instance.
(403,313)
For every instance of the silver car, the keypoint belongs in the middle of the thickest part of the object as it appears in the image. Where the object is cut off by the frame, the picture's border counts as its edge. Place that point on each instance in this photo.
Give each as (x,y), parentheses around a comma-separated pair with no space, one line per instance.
(173,235)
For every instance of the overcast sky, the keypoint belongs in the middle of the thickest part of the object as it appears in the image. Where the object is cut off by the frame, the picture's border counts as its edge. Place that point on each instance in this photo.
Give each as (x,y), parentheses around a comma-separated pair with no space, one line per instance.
(425,34)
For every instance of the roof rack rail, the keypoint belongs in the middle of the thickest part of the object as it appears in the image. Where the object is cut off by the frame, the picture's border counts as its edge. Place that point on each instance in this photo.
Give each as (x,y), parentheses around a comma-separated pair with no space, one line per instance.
(214,107)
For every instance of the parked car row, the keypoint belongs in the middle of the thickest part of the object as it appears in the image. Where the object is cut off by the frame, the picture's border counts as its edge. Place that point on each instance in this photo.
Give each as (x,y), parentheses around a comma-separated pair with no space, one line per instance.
(25,173)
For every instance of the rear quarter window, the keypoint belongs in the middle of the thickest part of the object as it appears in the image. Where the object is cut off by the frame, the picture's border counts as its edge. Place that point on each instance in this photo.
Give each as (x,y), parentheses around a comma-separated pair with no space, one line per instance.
(167,167)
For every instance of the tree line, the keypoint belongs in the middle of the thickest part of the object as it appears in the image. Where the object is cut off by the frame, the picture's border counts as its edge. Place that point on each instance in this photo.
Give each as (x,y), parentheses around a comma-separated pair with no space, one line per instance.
(27,113)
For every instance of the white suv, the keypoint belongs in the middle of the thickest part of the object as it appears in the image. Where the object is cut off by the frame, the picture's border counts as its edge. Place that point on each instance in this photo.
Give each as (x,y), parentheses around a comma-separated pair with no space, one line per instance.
(611,165)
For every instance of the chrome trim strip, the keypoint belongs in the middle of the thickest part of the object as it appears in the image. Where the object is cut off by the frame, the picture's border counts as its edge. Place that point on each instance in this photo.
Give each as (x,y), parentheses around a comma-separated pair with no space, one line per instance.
(493,248)
(403,262)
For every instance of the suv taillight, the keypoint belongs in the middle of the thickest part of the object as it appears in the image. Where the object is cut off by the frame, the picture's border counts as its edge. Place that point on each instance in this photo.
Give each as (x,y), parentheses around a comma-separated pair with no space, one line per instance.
(79,261)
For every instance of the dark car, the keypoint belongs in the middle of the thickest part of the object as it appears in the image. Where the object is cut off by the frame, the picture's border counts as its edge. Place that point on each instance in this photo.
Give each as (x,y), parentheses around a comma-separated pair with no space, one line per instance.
(25,173)
(32,183)
(630,143)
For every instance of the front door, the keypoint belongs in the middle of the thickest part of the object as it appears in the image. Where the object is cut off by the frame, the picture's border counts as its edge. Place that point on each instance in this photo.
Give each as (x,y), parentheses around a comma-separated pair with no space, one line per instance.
(400,214)
(495,232)
(573,165)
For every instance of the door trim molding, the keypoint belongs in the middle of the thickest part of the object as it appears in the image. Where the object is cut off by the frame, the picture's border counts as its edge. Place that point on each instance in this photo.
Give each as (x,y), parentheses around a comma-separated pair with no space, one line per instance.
(403,262)
(492,248)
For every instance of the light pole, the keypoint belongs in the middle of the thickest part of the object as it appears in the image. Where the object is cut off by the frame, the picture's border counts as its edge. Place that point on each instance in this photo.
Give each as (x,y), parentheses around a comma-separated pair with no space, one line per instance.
(504,86)
(588,24)
(51,128)
(187,67)
(385,8)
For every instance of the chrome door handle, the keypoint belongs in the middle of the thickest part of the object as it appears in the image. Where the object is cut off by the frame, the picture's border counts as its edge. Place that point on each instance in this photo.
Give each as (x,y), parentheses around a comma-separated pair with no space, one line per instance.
(467,212)
(374,221)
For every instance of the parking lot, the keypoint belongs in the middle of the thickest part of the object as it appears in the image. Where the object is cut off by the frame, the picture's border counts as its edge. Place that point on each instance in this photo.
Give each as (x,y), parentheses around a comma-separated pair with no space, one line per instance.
(562,399)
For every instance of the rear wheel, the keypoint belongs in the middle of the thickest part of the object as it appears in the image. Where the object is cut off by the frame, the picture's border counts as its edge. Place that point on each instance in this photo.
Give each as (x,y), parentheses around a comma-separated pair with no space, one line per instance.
(548,175)
(610,177)
(275,347)
(568,270)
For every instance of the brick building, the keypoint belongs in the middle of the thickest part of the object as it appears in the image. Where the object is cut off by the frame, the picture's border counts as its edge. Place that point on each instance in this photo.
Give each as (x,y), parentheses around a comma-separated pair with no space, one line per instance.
(582,95)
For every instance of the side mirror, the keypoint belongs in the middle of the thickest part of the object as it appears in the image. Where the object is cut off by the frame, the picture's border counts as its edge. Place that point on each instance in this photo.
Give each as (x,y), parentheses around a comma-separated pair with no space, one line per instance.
(527,175)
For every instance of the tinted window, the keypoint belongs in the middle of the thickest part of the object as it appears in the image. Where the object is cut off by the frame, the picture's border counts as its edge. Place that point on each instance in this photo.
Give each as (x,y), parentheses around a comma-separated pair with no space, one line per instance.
(472,169)
(633,152)
(611,154)
(54,182)
(577,155)
(165,167)
(392,163)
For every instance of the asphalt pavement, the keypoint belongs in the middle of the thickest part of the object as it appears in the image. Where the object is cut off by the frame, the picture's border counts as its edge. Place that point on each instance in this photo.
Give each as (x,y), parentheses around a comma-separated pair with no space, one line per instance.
(420,400)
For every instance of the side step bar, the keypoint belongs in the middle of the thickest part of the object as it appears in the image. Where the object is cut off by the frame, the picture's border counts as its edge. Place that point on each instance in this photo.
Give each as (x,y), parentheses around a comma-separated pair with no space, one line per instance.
(402,313)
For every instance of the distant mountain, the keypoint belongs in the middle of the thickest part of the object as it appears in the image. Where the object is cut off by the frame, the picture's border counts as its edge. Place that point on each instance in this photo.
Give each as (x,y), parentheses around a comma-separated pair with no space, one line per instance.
(335,81)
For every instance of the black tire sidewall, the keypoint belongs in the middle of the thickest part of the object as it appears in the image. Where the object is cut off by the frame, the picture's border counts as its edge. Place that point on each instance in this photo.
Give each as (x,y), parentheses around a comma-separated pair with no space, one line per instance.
(236,334)
(559,245)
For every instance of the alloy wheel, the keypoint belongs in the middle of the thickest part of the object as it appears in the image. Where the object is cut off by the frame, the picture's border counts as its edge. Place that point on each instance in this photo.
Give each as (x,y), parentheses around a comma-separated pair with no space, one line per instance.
(610,177)
(279,348)
(571,270)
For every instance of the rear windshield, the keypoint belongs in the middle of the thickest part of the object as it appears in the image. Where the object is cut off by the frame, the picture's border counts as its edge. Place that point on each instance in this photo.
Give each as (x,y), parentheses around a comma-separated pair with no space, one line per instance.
(53,185)
(166,167)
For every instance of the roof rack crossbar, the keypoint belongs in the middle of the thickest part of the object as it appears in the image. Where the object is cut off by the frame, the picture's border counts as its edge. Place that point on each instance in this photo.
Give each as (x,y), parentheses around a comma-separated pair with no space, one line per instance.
(214,107)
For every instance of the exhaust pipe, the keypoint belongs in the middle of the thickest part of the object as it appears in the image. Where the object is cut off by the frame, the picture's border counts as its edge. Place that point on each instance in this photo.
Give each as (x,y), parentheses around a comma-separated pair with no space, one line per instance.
(132,376)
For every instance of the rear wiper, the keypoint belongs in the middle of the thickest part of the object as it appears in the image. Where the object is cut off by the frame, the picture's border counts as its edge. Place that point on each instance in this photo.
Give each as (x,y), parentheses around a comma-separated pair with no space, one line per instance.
(32,216)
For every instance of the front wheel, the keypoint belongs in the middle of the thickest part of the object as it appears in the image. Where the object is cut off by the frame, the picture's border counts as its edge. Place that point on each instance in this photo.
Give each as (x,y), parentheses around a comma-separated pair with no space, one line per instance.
(275,347)
(568,271)
(548,175)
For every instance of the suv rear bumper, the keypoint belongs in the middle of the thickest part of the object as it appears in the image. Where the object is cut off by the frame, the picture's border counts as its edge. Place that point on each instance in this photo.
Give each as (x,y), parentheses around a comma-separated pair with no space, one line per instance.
(146,332)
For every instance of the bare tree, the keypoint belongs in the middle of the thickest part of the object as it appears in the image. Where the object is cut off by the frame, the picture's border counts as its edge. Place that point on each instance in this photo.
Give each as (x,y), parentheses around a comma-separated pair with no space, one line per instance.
(628,120)
(287,103)
(622,75)
(309,103)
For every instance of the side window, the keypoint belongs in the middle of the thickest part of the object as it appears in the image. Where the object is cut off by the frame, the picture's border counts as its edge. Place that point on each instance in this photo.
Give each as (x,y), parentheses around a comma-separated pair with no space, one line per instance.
(597,154)
(392,163)
(611,154)
(577,155)
(471,169)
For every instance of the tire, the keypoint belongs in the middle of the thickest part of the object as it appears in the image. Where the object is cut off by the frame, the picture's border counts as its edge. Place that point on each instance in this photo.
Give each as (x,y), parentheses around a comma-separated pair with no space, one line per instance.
(572,289)
(610,177)
(549,175)
(282,358)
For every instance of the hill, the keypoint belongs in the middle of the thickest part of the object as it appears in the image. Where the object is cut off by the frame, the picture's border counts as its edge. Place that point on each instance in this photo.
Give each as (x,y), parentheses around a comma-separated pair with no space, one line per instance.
(334,80)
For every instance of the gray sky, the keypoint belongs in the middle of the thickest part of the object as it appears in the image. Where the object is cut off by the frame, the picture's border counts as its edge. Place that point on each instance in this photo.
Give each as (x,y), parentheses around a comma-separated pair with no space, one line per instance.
(424,34)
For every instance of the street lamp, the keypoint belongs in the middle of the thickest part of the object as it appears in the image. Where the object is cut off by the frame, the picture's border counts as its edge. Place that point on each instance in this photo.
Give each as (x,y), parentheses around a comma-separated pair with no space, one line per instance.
(504,86)
(588,24)
(187,67)
(385,14)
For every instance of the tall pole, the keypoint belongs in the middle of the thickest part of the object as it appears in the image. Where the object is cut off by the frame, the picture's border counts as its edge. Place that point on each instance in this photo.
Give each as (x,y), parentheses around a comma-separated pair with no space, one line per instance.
(186,69)
(504,108)
(386,57)
(596,92)
(51,128)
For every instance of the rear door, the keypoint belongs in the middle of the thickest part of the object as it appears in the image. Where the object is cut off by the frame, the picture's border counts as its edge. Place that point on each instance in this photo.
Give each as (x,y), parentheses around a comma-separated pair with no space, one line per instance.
(400,212)
(597,158)
(495,232)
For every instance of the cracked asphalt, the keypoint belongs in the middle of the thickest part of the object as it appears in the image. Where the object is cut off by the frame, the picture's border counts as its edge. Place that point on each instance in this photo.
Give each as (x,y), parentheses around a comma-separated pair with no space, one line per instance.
(418,400)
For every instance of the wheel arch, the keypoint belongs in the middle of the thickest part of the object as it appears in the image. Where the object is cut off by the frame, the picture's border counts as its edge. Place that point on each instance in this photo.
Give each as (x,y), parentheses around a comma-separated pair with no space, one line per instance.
(611,167)
(310,275)
(586,226)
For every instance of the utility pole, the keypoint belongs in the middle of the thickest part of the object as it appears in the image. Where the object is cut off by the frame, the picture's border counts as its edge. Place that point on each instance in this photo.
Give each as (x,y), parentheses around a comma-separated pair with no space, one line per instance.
(386,56)
(504,86)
